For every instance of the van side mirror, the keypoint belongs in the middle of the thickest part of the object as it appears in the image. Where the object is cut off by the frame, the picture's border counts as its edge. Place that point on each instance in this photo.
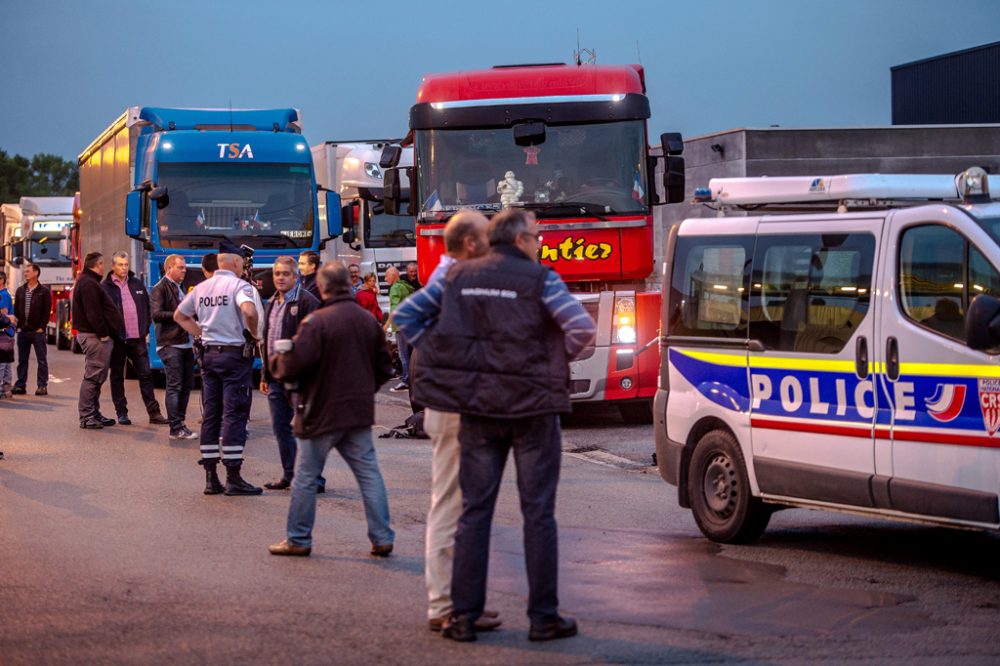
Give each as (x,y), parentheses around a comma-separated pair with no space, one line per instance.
(334,222)
(392,193)
(982,322)
(133,214)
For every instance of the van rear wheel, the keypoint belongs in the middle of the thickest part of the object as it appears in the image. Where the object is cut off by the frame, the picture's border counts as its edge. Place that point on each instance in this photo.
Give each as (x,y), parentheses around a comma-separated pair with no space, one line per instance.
(719,492)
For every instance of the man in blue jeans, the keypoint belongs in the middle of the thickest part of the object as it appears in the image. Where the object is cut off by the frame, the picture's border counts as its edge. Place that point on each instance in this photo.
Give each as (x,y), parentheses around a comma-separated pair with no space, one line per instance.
(495,338)
(338,340)
(32,305)
(290,304)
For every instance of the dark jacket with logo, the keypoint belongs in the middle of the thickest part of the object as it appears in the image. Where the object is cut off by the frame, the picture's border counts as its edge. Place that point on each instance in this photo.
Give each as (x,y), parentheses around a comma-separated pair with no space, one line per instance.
(139,296)
(164,300)
(494,351)
(41,308)
(93,310)
(340,358)
(295,311)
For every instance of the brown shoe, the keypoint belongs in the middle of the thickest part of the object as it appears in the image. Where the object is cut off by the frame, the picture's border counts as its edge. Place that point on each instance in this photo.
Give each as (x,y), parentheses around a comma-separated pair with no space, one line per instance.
(285,548)
(382,551)
(488,621)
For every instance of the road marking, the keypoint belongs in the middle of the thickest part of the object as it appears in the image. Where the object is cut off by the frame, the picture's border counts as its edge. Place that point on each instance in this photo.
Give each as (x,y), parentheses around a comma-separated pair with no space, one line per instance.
(599,457)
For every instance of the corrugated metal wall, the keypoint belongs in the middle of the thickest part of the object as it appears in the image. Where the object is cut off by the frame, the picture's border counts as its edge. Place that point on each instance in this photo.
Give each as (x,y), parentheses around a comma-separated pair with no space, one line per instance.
(955,88)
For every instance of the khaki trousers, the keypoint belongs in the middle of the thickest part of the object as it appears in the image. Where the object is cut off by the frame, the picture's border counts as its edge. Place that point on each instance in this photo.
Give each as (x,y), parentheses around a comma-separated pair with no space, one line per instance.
(446,507)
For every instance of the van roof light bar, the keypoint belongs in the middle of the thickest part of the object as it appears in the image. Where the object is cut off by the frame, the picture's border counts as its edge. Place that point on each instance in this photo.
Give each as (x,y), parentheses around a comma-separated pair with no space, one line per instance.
(971,186)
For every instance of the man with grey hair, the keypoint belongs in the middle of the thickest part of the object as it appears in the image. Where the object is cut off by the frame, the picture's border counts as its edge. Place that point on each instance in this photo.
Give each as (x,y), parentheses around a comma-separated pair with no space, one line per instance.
(495,338)
(284,313)
(338,340)
(226,309)
(129,295)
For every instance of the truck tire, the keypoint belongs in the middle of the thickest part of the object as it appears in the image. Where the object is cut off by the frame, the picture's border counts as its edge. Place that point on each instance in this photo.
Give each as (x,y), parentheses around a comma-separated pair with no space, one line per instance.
(62,336)
(719,492)
(636,413)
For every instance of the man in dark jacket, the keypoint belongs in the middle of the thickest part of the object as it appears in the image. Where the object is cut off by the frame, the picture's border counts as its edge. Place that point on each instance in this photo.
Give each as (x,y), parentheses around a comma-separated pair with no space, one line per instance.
(308,265)
(174,345)
(339,340)
(290,304)
(495,340)
(131,340)
(32,306)
(95,319)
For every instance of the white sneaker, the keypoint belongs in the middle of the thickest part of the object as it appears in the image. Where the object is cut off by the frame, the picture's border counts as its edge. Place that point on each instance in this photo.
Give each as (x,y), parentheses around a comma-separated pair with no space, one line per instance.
(401,386)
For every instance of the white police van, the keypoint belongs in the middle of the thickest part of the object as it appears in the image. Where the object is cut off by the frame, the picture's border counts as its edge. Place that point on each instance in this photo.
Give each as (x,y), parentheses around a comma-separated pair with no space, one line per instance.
(844,359)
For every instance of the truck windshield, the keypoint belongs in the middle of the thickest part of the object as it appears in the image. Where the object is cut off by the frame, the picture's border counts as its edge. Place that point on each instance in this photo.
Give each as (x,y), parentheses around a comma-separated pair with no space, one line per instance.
(49,251)
(384,230)
(260,205)
(601,164)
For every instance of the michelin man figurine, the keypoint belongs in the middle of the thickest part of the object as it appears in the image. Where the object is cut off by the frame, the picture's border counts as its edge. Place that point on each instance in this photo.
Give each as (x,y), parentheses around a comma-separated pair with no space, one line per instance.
(509,189)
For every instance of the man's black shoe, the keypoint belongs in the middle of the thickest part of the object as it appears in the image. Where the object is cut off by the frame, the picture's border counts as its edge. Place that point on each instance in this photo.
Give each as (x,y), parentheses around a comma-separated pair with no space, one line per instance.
(104,421)
(124,420)
(158,419)
(321,490)
(91,424)
(560,627)
(459,628)
(280,484)
(42,390)
(18,390)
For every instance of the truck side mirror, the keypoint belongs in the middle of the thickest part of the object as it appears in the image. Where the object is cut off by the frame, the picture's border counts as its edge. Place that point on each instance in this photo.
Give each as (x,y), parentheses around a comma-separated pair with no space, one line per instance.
(347,221)
(390,156)
(673,166)
(392,194)
(334,223)
(17,253)
(133,214)
(982,322)
(160,196)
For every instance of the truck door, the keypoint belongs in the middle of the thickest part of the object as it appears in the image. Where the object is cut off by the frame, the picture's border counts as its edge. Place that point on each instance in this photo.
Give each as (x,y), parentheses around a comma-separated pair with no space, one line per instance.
(939,443)
(812,327)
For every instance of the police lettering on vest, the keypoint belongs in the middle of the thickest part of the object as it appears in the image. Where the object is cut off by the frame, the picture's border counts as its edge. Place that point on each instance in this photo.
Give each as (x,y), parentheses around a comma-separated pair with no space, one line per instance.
(215,303)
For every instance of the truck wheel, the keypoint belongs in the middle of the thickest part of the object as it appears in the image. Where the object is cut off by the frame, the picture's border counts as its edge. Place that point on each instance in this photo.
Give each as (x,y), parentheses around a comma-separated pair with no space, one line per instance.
(719,492)
(636,413)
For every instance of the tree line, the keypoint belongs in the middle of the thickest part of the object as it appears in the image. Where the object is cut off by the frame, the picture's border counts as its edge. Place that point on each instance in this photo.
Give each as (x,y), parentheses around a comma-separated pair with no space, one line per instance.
(43,175)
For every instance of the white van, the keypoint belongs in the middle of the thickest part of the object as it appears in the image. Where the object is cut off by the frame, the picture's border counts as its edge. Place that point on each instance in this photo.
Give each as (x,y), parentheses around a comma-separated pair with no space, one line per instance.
(845,359)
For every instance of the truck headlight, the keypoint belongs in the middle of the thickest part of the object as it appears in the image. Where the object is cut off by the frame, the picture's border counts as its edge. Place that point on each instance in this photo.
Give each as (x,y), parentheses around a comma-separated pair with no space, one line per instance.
(623,325)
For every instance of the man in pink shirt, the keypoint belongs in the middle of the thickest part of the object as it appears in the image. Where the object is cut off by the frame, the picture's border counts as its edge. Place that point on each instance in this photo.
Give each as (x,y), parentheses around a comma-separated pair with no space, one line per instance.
(129,294)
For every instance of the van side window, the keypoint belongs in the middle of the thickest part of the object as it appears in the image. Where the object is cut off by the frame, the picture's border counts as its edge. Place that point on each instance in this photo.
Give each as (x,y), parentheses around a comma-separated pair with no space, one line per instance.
(939,272)
(810,292)
(708,286)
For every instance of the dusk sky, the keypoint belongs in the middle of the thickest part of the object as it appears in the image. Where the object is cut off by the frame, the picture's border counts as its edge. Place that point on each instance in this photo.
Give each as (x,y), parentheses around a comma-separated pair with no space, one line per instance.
(71,67)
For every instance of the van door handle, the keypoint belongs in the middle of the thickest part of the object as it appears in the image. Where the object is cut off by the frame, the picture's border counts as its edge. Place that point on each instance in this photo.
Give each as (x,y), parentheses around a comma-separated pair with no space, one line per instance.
(861,357)
(892,358)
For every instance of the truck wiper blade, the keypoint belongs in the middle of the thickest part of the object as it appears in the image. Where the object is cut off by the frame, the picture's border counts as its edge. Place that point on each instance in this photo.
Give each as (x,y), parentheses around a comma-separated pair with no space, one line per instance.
(570,208)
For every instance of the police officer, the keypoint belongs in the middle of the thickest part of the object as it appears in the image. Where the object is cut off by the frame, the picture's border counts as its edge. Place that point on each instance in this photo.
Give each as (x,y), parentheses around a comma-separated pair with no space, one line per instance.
(225,307)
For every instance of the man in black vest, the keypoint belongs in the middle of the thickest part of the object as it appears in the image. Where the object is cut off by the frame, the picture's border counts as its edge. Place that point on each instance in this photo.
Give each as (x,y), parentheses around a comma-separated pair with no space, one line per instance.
(495,338)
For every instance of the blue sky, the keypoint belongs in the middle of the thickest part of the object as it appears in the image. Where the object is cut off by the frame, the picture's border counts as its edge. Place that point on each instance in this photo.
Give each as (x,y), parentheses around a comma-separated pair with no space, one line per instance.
(68,68)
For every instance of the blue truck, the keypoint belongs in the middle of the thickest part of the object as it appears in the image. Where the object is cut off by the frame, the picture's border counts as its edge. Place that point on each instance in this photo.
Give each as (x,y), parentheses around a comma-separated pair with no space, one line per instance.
(162,181)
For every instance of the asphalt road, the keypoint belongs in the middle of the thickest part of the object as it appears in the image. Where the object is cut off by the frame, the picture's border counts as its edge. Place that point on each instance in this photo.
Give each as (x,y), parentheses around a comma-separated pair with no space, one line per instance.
(109,553)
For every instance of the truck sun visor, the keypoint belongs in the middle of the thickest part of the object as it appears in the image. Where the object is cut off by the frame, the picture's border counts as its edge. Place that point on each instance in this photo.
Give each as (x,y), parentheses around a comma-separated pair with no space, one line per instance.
(503,113)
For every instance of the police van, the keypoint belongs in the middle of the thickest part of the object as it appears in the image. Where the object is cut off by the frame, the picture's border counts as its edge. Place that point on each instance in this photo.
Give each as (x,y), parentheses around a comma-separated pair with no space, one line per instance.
(832,343)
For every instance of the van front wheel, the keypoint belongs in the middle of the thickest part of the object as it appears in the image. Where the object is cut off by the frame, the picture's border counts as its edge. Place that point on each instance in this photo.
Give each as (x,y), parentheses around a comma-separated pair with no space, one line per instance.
(719,492)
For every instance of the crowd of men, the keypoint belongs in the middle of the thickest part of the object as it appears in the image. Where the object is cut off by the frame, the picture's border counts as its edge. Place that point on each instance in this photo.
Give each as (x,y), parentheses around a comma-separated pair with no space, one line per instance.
(484,348)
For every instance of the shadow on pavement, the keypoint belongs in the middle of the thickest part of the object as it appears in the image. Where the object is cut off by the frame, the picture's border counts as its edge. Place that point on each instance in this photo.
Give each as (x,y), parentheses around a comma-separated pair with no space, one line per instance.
(57,494)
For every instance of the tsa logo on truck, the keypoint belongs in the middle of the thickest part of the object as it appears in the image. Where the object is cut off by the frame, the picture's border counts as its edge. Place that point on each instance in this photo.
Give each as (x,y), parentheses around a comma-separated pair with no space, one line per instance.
(234,151)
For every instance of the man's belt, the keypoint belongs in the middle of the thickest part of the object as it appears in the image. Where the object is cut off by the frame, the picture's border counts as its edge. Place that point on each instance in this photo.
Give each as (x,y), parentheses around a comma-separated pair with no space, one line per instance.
(225,348)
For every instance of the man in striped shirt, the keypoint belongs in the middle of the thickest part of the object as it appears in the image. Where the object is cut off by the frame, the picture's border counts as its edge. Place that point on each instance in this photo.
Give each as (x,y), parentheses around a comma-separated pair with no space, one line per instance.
(494,340)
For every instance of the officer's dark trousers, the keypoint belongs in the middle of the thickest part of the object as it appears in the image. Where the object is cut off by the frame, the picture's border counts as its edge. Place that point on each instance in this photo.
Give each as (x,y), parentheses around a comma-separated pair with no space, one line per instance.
(485,443)
(137,351)
(25,343)
(227,382)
